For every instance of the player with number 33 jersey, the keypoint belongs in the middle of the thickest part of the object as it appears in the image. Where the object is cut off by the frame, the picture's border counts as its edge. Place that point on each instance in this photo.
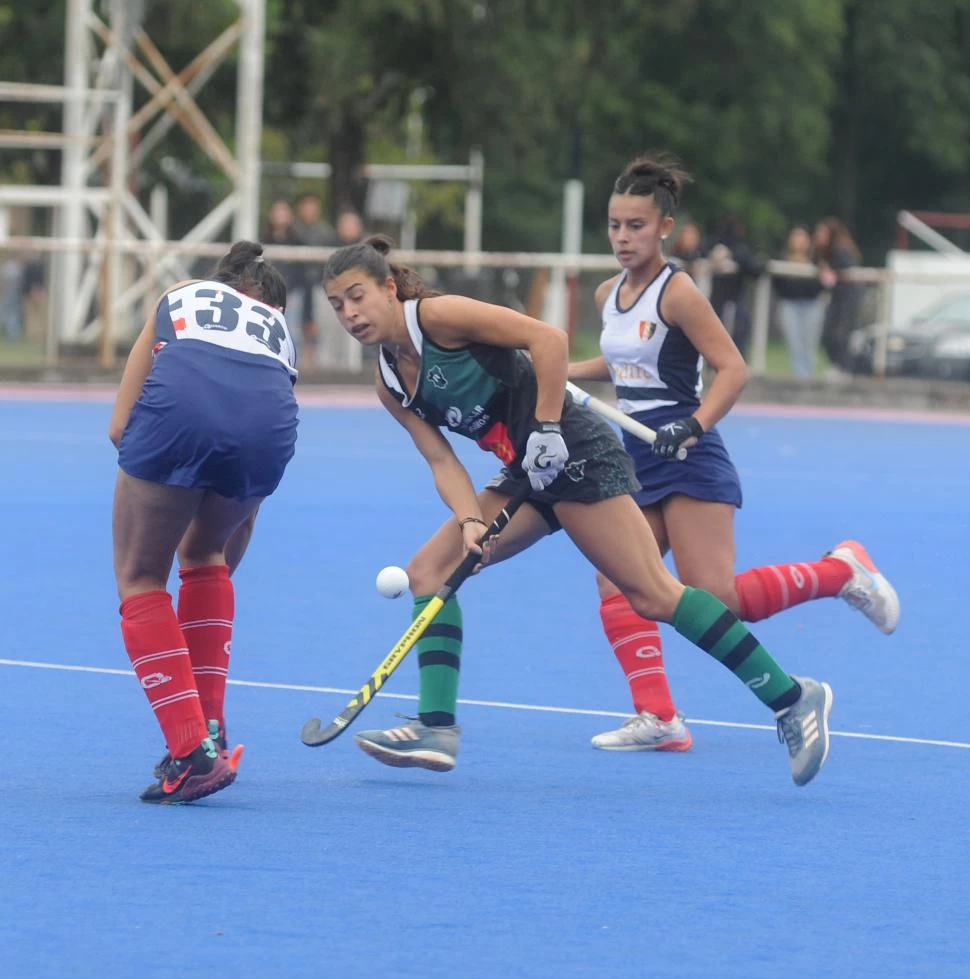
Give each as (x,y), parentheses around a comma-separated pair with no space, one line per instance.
(205,424)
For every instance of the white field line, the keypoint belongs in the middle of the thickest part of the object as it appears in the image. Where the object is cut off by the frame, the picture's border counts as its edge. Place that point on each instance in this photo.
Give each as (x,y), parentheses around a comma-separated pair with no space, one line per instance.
(538,708)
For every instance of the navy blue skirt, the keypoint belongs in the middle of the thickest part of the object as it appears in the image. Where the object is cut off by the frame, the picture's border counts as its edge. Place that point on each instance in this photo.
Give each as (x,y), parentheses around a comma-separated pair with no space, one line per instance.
(706,474)
(211,418)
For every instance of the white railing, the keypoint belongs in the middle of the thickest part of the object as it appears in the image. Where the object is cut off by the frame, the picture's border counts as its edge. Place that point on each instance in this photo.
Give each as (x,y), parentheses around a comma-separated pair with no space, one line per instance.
(160,262)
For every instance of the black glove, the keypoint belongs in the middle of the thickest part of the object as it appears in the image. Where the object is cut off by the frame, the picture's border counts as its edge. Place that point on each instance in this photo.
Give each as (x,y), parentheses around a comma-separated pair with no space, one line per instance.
(672,436)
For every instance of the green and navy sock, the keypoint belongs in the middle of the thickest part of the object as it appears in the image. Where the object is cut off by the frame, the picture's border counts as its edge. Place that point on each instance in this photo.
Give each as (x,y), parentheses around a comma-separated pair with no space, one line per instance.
(709,623)
(439,660)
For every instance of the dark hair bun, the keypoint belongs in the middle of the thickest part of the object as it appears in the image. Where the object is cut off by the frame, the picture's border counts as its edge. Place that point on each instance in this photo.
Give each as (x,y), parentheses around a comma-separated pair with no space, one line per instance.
(660,175)
(665,171)
(245,251)
(380,243)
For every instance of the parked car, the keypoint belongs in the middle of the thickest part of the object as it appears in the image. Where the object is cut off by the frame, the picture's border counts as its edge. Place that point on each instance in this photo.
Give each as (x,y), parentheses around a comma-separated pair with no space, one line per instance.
(934,343)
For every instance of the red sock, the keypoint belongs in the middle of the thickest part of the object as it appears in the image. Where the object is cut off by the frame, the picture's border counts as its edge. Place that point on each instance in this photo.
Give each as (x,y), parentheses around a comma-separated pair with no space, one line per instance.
(161,661)
(765,591)
(206,610)
(636,643)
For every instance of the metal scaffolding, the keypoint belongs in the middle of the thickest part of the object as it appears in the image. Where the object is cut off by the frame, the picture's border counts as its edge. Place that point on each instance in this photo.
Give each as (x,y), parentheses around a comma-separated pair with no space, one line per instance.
(104,57)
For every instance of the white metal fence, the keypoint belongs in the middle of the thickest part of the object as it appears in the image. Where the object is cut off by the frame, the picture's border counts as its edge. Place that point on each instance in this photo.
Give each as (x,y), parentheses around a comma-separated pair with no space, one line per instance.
(523,279)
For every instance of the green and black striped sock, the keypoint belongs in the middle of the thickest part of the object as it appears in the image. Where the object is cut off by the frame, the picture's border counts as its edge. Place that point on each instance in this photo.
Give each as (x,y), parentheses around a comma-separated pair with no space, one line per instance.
(439,660)
(709,623)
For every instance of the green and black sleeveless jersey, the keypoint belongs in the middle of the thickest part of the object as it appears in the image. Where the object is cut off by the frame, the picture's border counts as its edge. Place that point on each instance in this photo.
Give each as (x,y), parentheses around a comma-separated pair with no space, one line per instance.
(483,392)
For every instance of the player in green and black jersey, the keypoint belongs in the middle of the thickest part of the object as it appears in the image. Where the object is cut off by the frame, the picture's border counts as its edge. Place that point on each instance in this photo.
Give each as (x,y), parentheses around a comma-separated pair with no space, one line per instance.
(456,363)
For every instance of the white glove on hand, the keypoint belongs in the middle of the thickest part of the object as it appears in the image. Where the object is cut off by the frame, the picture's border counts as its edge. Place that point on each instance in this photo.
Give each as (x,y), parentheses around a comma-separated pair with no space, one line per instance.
(545,455)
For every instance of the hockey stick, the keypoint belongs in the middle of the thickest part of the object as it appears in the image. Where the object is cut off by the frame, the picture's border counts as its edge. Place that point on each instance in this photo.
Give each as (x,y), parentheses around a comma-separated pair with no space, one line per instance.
(313,735)
(616,416)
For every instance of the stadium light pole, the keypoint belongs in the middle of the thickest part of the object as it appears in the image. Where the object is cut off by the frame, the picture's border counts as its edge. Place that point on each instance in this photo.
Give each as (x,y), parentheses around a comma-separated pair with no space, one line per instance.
(249,117)
(70,218)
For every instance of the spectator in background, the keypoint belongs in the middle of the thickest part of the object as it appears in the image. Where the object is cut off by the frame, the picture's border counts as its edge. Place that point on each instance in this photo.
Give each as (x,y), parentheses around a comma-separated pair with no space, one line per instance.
(350,227)
(34,294)
(800,308)
(279,230)
(308,300)
(728,287)
(11,298)
(688,247)
(836,252)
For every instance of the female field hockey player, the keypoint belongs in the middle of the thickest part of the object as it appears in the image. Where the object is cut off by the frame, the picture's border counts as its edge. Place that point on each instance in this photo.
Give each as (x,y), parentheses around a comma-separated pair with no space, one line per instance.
(205,423)
(657,329)
(456,363)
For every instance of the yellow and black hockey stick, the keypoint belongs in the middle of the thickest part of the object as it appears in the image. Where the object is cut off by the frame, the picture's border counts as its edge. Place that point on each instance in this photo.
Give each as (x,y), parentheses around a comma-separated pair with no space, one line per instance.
(313,735)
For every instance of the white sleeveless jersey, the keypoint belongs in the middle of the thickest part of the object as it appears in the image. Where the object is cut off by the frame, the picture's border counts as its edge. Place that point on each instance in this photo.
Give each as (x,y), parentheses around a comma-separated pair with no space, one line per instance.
(653,364)
(216,313)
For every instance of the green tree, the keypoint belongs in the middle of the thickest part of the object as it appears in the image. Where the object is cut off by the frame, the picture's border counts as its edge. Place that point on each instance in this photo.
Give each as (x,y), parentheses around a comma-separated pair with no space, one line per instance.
(902,117)
(783,109)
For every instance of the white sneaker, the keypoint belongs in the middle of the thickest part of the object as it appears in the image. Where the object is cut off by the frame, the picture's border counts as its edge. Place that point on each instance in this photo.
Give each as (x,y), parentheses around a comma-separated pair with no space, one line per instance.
(646,732)
(867,590)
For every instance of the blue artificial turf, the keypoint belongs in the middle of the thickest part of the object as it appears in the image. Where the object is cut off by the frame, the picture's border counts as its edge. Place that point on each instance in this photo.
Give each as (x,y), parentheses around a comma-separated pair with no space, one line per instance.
(537,856)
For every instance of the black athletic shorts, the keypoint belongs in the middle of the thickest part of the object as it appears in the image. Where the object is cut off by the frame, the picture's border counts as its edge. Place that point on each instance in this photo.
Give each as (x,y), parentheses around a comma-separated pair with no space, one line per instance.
(598,467)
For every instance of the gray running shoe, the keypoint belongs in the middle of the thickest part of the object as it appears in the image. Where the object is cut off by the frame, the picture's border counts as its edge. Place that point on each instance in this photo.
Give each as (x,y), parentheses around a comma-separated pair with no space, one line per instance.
(804,727)
(413,745)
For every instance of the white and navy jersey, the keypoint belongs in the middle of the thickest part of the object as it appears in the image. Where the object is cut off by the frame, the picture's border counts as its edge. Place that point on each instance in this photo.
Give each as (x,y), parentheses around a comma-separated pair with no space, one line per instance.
(653,364)
(216,313)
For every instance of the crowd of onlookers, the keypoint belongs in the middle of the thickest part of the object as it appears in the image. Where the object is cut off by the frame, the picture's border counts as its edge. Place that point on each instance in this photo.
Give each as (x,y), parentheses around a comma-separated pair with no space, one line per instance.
(301,223)
(815,305)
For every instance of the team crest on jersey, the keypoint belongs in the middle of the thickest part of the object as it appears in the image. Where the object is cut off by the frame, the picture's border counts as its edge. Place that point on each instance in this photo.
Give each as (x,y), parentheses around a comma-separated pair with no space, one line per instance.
(647,330)
(576,470)
(436,376)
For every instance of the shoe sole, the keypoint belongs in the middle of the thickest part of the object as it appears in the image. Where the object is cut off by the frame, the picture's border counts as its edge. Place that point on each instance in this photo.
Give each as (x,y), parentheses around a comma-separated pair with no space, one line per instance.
(683,744)
(434,761)
(826,710)
(206,785)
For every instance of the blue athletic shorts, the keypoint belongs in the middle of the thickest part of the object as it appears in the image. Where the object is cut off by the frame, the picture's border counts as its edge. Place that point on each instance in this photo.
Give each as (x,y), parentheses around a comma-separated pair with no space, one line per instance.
(212,418)
(706,474)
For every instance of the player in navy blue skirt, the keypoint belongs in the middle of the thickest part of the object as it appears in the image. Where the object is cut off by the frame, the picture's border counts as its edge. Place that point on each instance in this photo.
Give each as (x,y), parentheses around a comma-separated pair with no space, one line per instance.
(658,329)
(205,424)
